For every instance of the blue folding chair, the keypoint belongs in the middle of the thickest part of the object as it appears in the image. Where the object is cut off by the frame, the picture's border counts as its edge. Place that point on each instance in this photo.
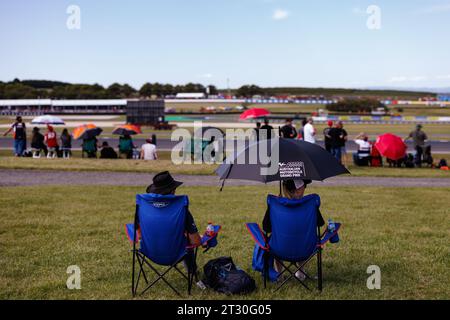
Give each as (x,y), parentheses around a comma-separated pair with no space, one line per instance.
(158,236)
(295,238)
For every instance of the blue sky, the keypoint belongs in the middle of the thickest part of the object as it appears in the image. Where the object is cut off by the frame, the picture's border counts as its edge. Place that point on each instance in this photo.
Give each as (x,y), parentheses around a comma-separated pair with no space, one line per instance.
(266,42)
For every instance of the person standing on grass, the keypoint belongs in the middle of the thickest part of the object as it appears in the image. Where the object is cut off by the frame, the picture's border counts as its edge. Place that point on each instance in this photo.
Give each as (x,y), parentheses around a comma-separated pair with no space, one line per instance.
(148,150)
(343,141)
(419,138)
(256,132)
(336,136)
(309,132)
(288,130)
(326,136)
(265,131)
(20,136)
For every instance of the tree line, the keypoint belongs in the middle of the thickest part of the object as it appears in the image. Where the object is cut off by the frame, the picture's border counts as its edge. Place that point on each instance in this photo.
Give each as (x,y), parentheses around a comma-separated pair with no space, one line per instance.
(42,89)
(34,89)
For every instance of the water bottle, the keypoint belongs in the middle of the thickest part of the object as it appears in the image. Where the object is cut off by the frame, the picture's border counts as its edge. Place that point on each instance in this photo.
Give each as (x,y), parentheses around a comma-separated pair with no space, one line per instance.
(332,229)
(210,229)
(331,226)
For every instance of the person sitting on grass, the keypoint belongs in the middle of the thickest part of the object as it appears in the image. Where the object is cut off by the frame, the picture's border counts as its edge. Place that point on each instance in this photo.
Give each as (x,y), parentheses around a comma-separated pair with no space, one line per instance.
(107,152)
(292,189)
(37,141)
(148,150)
(89,146)
(126,146)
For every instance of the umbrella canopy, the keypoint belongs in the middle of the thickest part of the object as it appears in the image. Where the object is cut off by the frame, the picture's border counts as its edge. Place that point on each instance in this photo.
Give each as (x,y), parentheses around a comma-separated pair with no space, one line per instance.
(254,113)
(86,131)
(391,146)
(297,160)
(47,119)
(127,129)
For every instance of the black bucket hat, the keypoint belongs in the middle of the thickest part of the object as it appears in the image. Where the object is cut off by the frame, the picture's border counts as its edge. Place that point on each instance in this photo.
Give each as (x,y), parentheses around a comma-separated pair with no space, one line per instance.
(163,183)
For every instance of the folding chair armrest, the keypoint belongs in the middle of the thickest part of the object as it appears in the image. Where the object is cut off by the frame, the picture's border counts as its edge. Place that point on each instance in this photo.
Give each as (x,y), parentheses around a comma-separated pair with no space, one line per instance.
(328,235)
(129,230)
(257,235)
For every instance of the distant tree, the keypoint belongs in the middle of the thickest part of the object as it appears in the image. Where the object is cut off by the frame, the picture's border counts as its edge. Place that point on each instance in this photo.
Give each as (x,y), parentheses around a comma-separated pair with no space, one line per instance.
(213,90)
(360,105)
(249,91)
(158,89)
(114,91)
(127,91)
(146,90)
(167,89)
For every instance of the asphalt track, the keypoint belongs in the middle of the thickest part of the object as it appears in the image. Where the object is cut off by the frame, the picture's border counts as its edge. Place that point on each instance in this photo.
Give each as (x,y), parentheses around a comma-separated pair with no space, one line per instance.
(166,144)
(10,178)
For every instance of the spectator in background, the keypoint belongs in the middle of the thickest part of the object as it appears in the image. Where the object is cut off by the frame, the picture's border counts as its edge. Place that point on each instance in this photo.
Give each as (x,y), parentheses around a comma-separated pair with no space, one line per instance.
(51,140)
(148,150)
(107,152)
(66,143)
(309,132)
(37,143)
(343,141)
(89,146)
(126,146)
(326,136)
(256,131)
(336,135)
(20,136)
(419,137)
(288,130)
(265,132)
(362,155)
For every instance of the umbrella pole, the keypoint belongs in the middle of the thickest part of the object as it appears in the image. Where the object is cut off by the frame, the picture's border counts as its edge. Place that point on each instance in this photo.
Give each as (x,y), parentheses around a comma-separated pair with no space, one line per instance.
(280,189)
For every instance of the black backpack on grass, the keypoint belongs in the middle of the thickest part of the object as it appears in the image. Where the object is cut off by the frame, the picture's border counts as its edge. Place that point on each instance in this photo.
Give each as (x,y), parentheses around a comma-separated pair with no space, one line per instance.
(223,276)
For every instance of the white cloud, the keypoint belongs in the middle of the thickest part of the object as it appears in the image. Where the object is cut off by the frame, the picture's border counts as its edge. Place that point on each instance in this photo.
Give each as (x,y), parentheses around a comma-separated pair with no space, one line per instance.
(280,14)
(398,79)
(206,75)
(407,79)
(437,8)
(443,77)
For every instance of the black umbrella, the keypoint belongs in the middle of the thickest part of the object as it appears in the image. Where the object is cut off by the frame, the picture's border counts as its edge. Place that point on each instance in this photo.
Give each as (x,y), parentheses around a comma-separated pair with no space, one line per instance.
(297,160)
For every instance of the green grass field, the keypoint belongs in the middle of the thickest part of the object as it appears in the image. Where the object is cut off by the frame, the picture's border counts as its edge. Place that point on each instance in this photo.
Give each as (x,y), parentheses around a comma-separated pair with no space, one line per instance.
(46,229)
(164,163)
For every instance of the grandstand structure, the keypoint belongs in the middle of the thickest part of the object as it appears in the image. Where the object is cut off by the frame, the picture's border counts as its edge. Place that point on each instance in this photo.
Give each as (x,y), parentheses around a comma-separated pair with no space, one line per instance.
(49,106)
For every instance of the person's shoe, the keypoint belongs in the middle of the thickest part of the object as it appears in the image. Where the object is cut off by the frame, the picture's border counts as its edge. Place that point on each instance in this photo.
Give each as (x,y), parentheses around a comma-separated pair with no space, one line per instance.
(300,275)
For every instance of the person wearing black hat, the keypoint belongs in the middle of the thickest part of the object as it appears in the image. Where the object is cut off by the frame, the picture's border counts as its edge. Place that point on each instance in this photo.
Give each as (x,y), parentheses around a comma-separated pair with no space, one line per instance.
(164,183)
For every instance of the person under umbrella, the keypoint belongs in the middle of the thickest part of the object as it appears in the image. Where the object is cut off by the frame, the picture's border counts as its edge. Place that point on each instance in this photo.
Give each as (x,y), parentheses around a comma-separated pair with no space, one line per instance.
(37,143)
(88,133)
(391,146)
(51,140)
(291,189)
(127,129)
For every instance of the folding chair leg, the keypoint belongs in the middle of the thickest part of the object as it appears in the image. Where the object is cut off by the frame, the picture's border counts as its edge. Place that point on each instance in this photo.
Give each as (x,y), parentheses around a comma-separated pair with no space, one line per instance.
(266,269)
(319,269)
